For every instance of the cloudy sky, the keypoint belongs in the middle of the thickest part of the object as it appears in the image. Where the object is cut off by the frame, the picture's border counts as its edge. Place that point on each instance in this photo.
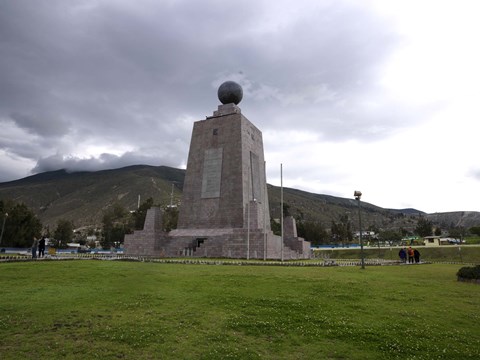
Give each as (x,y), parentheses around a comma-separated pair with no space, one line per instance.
(378,96)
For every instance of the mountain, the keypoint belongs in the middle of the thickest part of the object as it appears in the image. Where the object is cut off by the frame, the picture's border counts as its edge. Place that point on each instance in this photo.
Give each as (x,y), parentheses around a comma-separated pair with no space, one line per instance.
(83,196)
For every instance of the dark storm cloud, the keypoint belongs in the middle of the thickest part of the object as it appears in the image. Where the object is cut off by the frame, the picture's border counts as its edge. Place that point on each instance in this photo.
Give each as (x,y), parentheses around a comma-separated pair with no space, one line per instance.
(130,73)
(40,124)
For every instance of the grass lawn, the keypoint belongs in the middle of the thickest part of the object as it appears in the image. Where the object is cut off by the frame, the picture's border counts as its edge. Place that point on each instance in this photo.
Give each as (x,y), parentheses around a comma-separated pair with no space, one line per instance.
(118,309)
(463,254)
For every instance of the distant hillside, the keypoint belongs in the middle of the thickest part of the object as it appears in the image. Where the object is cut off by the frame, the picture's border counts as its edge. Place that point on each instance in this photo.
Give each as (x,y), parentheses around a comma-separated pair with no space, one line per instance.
(83,196)
(327,208)
(457,218)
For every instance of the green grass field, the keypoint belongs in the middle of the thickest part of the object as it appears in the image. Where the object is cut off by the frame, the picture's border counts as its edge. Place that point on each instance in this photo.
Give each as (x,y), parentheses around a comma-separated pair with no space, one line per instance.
(82,309)
(466,254)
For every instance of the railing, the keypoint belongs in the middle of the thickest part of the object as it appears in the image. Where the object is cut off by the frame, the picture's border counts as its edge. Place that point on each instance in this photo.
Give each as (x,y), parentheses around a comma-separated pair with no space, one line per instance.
(205,261)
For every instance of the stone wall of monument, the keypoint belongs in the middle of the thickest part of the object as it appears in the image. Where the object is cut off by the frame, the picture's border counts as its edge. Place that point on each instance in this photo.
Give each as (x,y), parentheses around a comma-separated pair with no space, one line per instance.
(143,242)
(253,179)
(227,243)
(226,170)
(235,246)
(204,206)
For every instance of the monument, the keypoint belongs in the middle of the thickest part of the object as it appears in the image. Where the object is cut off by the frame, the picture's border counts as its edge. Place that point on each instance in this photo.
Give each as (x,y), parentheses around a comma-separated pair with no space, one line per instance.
(224,210)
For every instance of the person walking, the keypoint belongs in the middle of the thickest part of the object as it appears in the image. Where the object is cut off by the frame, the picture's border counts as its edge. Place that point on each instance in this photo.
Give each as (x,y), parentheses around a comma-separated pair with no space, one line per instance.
(416,255)
(41,247)
(34,247)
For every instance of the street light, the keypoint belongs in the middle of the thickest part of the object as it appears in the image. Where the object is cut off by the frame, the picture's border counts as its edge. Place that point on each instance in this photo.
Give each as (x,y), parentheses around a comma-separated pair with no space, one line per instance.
(3,227)
(358,195)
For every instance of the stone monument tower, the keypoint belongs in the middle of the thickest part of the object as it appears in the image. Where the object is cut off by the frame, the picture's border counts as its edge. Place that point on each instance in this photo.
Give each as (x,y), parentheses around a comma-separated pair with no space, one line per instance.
(225,178)
(224,210)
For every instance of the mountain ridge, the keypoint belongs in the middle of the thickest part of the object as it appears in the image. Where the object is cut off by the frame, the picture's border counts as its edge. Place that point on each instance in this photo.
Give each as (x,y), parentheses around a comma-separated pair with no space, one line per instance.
(83,196)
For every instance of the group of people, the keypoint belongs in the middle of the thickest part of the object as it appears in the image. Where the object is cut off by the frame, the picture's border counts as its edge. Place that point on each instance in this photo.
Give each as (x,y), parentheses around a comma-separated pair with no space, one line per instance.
(38,245)
(409,255)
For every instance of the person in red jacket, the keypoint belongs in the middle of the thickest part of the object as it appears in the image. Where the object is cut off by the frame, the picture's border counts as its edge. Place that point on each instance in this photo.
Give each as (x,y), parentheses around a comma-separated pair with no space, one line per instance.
(411,255)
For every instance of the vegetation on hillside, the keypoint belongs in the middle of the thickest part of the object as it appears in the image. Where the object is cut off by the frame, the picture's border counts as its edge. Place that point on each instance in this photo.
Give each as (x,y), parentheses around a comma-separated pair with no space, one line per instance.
(22,225)
(111,200)
(83,197)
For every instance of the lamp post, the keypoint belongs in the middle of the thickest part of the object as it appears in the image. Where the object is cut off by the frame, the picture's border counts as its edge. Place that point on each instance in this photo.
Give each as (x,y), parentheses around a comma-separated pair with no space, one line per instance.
(358,195)
(3,227)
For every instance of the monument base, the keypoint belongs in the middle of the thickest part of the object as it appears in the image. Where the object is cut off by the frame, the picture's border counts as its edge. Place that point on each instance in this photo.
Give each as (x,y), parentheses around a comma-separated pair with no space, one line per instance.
(211,243)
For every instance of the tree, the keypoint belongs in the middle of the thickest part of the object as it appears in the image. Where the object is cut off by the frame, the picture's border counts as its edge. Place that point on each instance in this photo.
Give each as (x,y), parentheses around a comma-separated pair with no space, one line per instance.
(276,227)
(21,225)
(107,239)
(405,232)
(115,225)
(63,234)
(313,232)
(342,231)
(286,210)
(113,236)
(458,232)
(390,236)
(475,230)
(424,227)
(170,218)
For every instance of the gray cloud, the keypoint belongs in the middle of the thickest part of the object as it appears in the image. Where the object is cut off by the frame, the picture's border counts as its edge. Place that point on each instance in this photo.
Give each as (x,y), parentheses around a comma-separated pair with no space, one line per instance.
(105,161)
(41,124)
(114,72)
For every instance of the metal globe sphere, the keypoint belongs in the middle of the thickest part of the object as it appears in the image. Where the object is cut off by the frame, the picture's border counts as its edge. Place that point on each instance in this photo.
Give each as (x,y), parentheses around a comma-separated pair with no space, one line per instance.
(230,92)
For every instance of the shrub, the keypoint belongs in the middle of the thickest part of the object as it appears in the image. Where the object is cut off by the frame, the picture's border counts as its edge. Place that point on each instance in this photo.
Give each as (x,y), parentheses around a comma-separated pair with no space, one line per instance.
(469,272)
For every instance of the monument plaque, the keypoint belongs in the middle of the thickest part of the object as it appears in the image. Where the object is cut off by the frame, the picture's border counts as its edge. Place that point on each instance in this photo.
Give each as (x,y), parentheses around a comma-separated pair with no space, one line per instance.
(255,177)
(212,173)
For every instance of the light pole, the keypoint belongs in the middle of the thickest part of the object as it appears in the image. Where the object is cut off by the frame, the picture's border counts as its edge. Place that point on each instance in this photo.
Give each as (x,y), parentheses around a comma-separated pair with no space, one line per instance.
(3,227)
(358,195)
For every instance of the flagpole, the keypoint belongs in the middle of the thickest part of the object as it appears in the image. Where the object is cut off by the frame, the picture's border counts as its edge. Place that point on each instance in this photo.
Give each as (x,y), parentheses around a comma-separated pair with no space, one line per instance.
(248,214)
(281,209)
(265,212)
